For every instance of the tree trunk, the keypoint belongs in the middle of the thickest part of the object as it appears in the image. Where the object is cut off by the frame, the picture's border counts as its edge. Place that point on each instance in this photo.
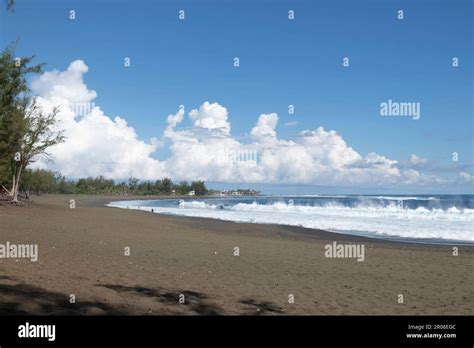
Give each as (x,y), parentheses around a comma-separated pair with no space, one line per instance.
(17,184)
(13,185)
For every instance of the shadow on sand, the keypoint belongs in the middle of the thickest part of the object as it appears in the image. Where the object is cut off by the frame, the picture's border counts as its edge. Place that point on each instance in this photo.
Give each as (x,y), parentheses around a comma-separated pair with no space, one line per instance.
(23,299)
(195,300)
(262,307)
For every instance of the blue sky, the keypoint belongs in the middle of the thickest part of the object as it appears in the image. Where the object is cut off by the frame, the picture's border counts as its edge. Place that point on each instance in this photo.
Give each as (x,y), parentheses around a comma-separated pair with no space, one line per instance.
(283,62)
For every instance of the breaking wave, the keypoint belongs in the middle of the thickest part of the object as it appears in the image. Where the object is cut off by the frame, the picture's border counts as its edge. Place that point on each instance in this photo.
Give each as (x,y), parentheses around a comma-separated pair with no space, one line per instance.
(408,217)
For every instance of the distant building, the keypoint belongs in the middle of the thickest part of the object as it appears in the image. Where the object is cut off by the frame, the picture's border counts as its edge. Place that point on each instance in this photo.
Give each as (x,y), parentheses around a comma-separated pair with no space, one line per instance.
(192,193)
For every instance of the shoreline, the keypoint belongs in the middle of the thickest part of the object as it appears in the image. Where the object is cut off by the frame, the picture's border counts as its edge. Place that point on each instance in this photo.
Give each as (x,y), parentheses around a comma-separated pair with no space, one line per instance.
(81,252)
(304,231)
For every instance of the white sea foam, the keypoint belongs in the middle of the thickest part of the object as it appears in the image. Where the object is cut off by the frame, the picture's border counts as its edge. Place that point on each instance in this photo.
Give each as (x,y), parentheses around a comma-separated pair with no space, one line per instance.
(196,205)
(391,220)
(389,198)
(404,198)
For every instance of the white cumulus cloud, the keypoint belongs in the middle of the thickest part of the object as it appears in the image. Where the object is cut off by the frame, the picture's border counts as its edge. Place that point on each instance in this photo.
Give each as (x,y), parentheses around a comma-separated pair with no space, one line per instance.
(417,161)
(265,127)
(98,144)
(466,177)
(211,116)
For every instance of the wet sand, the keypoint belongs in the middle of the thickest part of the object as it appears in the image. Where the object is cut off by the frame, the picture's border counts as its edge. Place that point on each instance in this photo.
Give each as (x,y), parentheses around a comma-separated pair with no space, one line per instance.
(82,252)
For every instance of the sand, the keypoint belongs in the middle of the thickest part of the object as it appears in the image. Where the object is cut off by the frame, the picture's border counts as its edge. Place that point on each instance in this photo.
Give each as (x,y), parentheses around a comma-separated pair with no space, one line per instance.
(82,252)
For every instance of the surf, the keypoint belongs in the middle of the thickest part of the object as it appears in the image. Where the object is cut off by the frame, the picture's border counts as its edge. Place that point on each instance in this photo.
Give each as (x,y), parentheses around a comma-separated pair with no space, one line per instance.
(415,218)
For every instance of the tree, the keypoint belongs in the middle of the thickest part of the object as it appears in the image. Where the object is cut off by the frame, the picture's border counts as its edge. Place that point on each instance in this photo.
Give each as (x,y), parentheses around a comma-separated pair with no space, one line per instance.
(199,188)
(183,188)
(39,181)
(26,132)
(166,186)
(133,184)
(39,135)
(14,99)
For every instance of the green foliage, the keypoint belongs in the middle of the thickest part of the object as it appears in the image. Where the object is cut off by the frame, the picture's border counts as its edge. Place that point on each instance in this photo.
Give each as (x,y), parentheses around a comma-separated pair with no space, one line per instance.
(13,101)
(25,131)
(183,188)
(199,188)
(40,181)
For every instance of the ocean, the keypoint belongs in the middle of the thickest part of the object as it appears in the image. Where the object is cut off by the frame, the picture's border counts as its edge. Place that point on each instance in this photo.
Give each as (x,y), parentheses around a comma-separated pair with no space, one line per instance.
(444,219)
